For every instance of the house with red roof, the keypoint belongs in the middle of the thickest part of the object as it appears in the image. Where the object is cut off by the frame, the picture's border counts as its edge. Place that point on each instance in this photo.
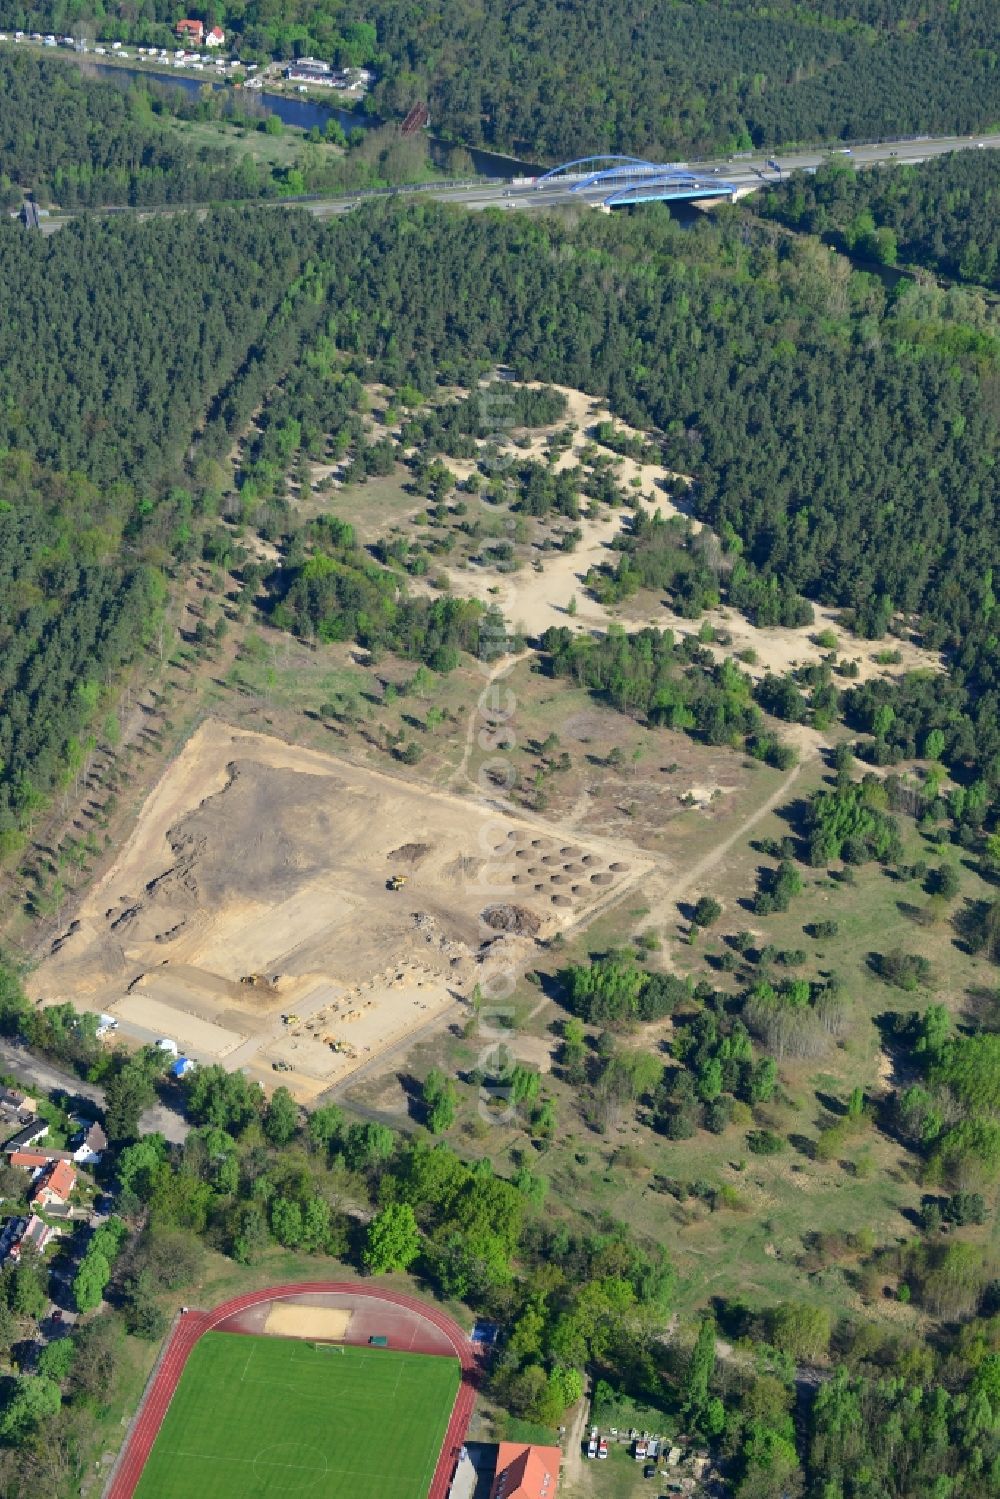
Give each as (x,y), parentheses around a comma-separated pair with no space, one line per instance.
(191,31)
(215,37)
(55,1187)
(30,1160)
(37,1159)
(525,1471)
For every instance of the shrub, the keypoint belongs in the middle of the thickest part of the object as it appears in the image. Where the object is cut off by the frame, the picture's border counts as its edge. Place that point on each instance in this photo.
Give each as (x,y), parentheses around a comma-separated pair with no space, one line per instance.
(765,1142)
(905,970)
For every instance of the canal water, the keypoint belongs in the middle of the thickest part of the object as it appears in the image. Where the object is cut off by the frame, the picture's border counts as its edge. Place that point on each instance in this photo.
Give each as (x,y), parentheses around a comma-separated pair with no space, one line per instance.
(306,113)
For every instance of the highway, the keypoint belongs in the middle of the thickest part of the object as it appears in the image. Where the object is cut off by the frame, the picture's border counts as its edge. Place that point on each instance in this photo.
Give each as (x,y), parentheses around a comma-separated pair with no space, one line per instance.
(746,172)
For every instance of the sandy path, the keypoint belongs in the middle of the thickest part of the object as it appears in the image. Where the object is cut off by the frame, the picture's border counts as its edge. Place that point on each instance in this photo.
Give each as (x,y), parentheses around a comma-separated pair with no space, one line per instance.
(574,1471)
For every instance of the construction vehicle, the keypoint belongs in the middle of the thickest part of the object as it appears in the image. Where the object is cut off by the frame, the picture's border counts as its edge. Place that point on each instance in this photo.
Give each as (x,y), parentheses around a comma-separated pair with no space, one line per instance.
(290,1019)
(395,882)
(342,1048)
(282,1066)
(254,980)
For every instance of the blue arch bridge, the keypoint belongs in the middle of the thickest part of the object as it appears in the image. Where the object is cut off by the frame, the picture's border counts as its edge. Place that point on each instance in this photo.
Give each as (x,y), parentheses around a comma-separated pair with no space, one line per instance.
(617,181)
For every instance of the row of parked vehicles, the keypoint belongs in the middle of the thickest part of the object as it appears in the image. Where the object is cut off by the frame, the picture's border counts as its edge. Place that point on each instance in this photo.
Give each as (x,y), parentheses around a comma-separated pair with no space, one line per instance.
(597,1446)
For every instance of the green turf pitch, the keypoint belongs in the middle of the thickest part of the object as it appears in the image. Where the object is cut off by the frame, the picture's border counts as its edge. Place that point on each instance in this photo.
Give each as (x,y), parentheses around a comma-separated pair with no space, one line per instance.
(273,1418)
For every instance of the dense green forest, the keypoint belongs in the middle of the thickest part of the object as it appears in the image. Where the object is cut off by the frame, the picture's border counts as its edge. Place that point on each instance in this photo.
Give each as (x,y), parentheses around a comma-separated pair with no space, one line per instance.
(74,604)
(116,340)
(942,214)
(558,82)
(79,143)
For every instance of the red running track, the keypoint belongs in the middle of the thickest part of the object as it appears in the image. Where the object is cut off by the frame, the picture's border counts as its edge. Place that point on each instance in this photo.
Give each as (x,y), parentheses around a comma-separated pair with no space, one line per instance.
(191,1326)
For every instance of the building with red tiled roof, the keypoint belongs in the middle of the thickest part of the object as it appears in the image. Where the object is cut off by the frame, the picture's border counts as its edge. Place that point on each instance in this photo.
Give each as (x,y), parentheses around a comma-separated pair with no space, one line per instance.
(525,1471)
(192,31)
(31,1160)
(56,1186)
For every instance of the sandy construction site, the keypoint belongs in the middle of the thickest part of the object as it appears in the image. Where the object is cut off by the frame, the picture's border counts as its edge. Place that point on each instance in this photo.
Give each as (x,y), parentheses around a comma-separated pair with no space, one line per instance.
(250,917)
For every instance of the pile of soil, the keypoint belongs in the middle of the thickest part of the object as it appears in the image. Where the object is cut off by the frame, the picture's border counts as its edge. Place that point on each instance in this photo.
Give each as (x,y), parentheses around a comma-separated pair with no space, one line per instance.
(408,853)
(509,918)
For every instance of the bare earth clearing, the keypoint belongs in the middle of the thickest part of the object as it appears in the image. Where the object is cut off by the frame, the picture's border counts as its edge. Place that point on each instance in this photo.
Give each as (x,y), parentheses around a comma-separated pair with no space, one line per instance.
(535,601)
(248,917)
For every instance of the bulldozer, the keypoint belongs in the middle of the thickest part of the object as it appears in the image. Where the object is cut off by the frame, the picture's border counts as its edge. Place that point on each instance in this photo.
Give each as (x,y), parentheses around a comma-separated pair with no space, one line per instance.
(395,882)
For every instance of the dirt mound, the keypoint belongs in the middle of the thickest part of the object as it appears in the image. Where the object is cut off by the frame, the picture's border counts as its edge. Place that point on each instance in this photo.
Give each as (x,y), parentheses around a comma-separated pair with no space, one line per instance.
(510,918)
(408,853)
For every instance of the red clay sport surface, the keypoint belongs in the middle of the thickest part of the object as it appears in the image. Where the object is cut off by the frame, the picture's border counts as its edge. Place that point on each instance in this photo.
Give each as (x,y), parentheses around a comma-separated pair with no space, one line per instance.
(442,1335)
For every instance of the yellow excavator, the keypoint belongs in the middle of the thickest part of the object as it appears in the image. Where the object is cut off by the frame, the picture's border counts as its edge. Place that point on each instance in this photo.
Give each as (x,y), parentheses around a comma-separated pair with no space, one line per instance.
(395,882)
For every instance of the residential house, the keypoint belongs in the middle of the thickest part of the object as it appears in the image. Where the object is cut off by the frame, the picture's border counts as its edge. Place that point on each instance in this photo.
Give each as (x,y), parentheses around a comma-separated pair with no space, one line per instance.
(35,1235)
(29,1160)
(13,1101)
(55,1186)
(191,31)
(26,1137)
(215,37)
(38,1158)
(525,1471)
(90,1146)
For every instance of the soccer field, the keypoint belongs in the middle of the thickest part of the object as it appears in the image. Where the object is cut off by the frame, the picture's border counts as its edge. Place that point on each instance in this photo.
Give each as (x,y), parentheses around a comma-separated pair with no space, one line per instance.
(262,1418)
